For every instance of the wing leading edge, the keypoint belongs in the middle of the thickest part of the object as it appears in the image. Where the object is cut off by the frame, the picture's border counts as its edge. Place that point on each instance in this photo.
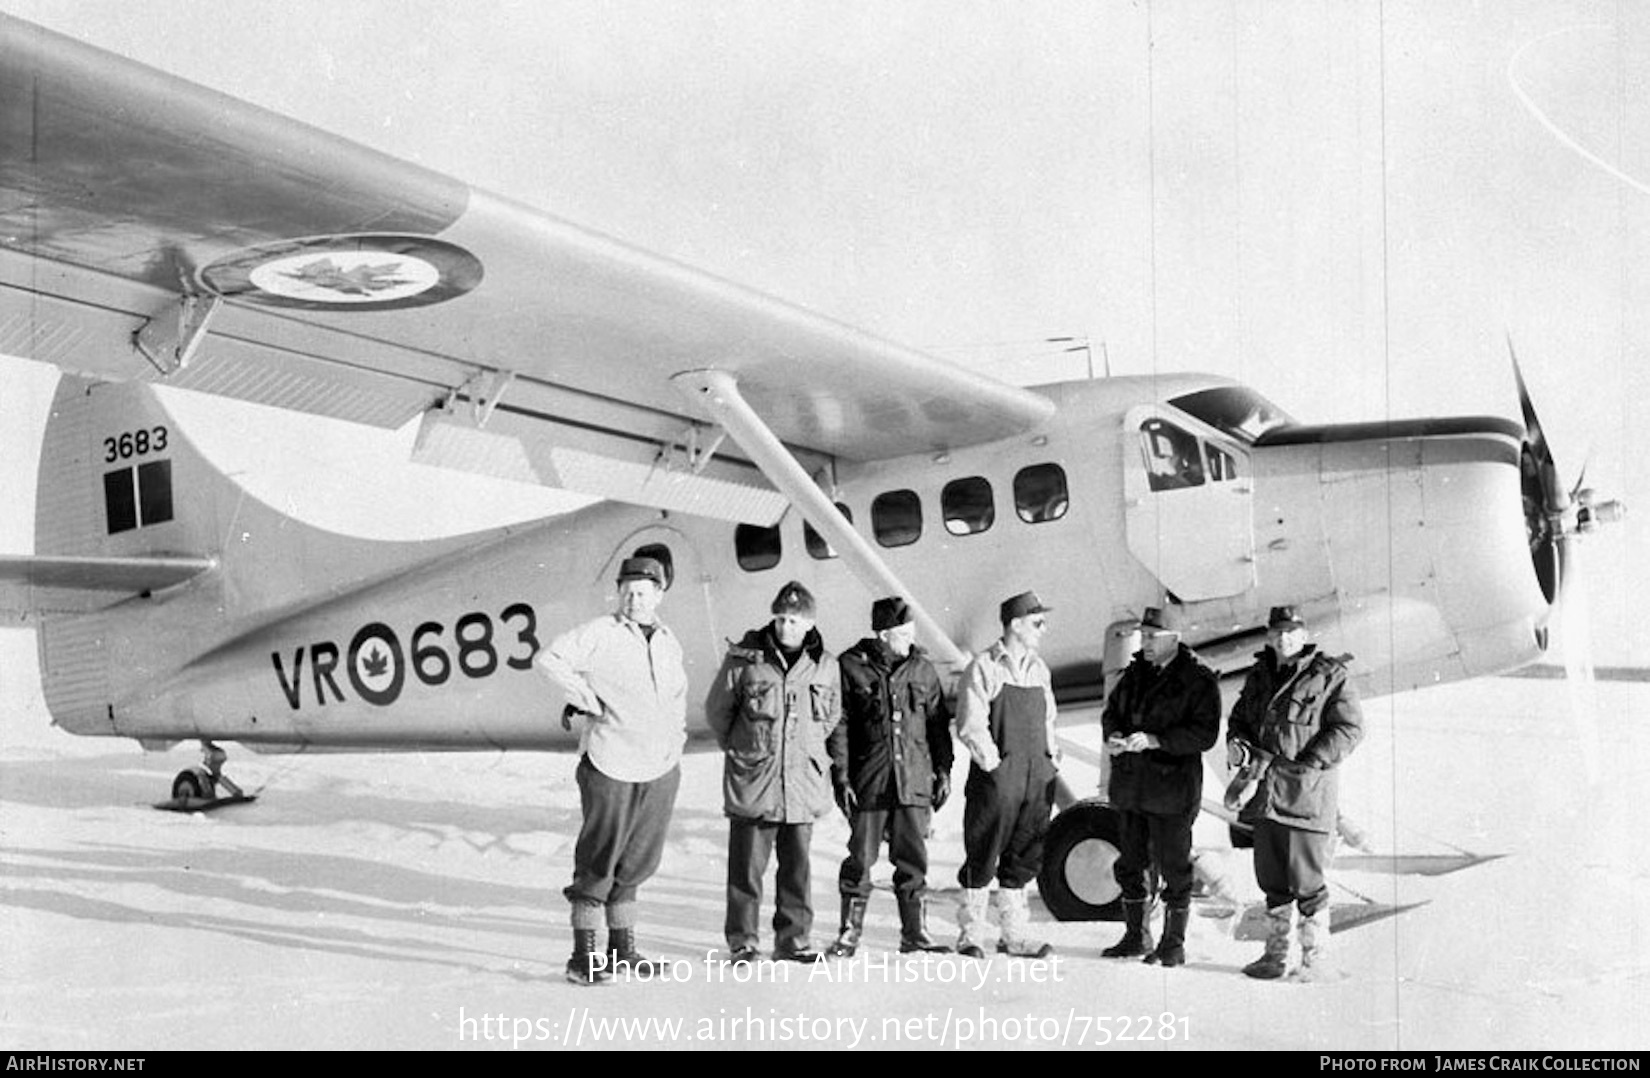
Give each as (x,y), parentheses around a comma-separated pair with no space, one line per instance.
(357,285)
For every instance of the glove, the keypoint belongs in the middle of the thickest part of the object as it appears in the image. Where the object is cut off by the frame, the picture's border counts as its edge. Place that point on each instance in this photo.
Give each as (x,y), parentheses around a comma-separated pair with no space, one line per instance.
(845,800)
(568,713)
(1246,775)
(942,790)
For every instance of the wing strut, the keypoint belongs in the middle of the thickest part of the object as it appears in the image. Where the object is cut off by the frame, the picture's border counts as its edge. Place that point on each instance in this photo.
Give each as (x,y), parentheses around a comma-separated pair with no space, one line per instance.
(717,392)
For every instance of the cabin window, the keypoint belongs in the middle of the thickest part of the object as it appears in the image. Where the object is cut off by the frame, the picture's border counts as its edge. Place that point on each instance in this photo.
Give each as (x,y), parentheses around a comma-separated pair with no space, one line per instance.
(1173,460)
(816,544)
(967,506)
(896,518)
(1040,493)
(756,547)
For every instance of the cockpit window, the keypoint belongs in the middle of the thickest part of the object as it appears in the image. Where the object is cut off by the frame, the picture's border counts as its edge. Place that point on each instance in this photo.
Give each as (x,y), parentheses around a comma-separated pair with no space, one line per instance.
(1173,460)
(1221,464)
(1236,410)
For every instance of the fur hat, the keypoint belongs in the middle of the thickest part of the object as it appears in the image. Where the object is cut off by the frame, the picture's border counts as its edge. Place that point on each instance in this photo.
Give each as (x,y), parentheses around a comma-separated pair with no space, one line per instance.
(890,613)
(793,598)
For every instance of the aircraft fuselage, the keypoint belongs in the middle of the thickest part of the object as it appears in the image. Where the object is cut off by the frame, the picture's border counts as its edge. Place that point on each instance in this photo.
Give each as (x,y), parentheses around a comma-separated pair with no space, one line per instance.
(1404,543)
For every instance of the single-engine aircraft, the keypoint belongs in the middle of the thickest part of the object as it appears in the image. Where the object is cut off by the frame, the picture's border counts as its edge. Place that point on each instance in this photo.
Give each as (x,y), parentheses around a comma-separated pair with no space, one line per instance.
(157,233)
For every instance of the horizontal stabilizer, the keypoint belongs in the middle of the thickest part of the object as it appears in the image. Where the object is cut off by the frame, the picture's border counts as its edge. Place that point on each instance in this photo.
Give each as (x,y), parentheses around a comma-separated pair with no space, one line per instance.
(31,584)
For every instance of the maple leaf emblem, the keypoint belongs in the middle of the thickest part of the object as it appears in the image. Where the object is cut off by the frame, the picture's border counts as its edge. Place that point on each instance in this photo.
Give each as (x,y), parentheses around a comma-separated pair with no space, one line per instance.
(375,663)
(363,280)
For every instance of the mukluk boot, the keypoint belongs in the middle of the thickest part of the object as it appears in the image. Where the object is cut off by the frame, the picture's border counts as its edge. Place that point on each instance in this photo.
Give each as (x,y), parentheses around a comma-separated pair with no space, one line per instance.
(1274,961)
(1015,915)
(971,922)
(1315,965)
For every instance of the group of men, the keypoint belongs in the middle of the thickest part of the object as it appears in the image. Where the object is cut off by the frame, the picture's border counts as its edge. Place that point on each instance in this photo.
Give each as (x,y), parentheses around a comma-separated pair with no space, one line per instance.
(872,733)
(1295,720)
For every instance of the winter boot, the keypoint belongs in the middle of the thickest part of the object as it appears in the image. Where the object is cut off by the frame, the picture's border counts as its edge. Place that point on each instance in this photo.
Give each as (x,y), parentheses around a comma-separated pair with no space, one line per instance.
(1015,915)
(1137,935)
(853,926)
(800,952)
(913,927)
(587,966)
(623,958)
(1314,932)
(1171,949)
(621,943)
(1275,959)
(971,922)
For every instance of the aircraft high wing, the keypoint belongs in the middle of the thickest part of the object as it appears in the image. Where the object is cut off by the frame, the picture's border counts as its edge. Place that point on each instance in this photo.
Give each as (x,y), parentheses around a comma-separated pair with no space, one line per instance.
(245,254)
(335,280)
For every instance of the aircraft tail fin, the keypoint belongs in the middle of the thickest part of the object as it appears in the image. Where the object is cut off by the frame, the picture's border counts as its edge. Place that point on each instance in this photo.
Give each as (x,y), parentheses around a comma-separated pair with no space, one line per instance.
(147,554)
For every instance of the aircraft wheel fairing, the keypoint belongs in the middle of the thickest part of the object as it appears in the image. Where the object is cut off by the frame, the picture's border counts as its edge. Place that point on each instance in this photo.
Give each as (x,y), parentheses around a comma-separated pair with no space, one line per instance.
(1076,882)
(194,782)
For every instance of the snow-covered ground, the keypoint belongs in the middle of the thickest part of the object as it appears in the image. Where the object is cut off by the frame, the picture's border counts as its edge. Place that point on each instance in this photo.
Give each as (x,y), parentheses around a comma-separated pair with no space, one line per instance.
(413,902)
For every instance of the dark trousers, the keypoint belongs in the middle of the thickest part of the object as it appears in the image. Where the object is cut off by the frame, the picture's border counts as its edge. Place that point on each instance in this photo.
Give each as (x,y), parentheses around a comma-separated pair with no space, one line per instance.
(1147,838)
(1290,864)
(907,829)
(1005,819)
(622,836)
(749,844)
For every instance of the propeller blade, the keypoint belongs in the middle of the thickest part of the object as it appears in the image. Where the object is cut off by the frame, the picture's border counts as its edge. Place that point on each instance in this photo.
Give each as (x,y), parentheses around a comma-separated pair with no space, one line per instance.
(1532,423)
(1581,477)
(1575,631)
(1545,499)
(1554,495)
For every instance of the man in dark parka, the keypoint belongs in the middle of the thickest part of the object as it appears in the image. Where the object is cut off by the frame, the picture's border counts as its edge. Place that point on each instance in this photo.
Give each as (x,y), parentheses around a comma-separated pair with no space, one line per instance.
(1159,720)
(891,767)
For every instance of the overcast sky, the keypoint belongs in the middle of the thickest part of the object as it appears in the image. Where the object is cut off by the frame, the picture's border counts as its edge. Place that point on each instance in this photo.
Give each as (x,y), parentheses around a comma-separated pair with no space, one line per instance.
(1350,206)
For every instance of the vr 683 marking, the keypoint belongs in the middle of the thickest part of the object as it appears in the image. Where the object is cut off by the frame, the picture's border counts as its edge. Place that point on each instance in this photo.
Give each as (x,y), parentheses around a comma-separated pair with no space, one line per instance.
(376,666)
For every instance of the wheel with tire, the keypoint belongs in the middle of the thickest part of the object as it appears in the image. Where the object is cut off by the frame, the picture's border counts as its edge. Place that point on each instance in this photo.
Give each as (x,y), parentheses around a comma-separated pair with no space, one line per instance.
(1076,883)
(193,783)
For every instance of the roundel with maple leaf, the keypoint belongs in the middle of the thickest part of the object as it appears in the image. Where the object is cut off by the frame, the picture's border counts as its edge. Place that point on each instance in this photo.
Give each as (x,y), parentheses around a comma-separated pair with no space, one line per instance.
(377,667)
(363,272)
